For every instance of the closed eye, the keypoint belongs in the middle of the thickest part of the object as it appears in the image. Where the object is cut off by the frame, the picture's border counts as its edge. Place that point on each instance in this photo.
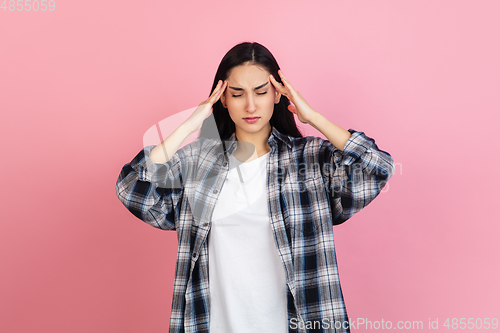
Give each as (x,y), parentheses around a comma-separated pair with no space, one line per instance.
(257,94)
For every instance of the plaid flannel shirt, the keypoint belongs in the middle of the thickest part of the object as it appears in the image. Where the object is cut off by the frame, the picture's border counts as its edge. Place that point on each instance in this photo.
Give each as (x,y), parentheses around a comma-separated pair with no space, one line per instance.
(311,186)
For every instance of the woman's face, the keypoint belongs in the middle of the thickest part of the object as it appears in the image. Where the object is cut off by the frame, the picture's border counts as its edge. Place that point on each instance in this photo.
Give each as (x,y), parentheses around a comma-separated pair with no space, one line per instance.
(250,94)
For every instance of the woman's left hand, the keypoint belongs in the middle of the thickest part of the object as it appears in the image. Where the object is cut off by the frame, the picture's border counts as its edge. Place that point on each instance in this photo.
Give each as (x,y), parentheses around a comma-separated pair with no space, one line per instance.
(300,107)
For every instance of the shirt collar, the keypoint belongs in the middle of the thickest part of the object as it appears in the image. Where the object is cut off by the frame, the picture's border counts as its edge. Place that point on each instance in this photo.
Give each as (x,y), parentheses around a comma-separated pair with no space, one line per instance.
(230,143)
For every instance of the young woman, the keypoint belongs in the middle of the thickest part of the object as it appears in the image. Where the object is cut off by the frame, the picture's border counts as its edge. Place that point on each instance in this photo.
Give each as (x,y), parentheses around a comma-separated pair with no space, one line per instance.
(253,203)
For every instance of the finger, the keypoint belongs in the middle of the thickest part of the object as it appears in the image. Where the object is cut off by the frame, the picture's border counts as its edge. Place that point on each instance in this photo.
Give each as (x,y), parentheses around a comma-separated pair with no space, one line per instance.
(285,91)
(285,81)
(220,91)
(278,85)
(217,87)
(280,72)
(216,91)
(274,81)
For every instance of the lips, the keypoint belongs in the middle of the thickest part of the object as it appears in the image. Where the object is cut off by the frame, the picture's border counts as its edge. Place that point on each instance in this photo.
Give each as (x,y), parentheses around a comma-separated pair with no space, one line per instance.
(251,120)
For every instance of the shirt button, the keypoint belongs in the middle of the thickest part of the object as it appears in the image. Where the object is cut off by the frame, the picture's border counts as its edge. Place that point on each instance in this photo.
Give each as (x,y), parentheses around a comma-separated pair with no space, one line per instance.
(205,224)
(225,163)
(215,191)
(195,255)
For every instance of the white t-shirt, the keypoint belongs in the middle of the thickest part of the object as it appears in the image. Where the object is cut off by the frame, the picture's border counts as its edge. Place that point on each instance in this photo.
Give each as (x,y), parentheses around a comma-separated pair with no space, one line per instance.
(246,275)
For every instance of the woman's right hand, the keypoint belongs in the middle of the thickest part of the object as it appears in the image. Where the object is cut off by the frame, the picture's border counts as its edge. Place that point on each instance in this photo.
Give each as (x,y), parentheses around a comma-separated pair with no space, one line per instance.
(204,109)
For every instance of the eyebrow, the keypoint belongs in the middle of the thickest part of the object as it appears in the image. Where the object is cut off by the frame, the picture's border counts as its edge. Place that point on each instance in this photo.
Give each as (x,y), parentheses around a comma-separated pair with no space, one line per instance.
(261,86)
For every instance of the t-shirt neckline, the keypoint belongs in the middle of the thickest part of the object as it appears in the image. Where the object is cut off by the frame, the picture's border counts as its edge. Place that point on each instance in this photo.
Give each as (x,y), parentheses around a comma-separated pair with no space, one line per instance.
(257,159)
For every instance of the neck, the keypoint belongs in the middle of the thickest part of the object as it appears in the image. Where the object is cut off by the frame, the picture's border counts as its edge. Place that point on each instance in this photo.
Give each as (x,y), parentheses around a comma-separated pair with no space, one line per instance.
(250,143)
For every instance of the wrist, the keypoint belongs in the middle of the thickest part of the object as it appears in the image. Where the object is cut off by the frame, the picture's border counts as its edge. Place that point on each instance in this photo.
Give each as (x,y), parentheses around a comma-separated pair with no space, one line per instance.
(315,119)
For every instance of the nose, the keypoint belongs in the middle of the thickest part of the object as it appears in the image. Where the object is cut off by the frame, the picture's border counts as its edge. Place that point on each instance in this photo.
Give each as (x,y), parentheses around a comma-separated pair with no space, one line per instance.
(251,107)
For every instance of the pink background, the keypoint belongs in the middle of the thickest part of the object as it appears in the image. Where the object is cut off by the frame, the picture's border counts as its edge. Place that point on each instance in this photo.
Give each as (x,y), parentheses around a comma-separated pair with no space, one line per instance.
(79,87)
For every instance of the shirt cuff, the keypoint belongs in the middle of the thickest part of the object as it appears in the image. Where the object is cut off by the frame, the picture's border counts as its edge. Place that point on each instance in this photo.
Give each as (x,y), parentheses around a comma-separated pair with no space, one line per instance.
(147,170)
(356,146)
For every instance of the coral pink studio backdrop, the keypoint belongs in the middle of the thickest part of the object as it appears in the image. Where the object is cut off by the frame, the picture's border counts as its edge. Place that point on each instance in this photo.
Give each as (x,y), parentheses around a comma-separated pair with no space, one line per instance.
(80,85)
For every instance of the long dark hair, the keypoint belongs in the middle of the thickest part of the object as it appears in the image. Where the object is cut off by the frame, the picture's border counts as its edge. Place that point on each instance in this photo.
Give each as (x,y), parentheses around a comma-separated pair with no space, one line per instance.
(252,53)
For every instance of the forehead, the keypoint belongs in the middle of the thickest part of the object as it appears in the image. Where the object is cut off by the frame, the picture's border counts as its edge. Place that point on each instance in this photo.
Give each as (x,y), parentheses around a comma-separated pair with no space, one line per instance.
(248,76)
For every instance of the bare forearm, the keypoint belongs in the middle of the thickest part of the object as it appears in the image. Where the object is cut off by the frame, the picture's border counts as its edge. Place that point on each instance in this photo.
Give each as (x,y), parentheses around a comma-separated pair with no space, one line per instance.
(334,133)
(163,152)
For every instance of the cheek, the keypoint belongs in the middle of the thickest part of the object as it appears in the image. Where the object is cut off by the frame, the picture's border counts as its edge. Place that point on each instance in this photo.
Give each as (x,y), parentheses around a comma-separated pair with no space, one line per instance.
(231,101)
(270,97)
(268,101)
(232,110)
(268,106)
